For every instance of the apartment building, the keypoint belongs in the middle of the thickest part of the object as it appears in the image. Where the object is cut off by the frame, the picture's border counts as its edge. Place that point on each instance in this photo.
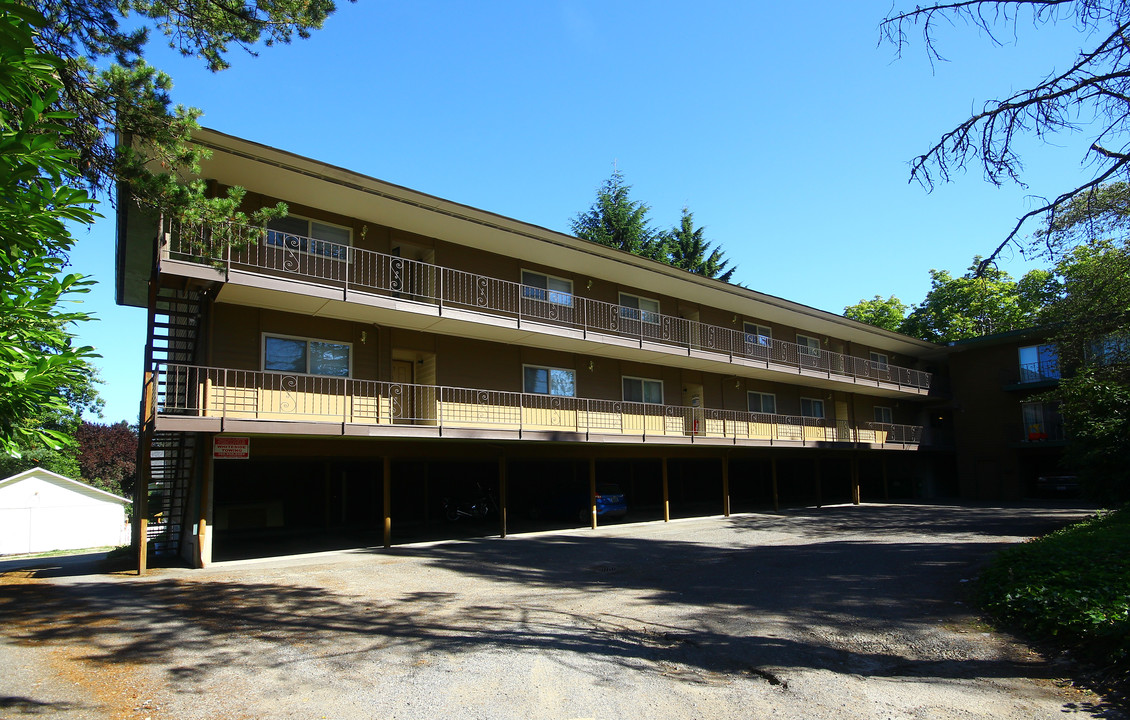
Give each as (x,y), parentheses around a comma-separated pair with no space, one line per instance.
(381,350)
(1010,438)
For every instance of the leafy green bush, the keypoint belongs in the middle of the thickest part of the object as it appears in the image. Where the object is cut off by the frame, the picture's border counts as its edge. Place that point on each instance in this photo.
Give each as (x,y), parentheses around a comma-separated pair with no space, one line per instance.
(1071,587)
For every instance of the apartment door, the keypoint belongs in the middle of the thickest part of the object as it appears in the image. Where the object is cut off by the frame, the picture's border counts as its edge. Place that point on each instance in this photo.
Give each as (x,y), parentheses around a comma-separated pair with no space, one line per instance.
(403,391)
(694,419)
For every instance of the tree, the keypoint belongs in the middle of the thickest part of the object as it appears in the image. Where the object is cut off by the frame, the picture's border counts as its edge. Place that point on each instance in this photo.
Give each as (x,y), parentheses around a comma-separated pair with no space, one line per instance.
(1091,96)
(686,248)
(107,455)
(38,357)
(1092,321)
(983,301)
(889,314)
(618,221)
(131,98)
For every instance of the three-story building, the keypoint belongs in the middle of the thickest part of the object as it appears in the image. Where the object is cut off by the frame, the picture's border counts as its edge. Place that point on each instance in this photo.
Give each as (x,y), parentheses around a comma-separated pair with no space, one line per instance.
(380,351)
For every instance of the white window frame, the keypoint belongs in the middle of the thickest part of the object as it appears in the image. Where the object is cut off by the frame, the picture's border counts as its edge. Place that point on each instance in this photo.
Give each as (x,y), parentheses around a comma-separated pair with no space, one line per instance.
(263,353)
(804,347)
(549,379)
(814,401)
(756,334)
(880,361)
(761,403)
(638,313)
(309,237)
(884,415)
(642,381)
(556,297)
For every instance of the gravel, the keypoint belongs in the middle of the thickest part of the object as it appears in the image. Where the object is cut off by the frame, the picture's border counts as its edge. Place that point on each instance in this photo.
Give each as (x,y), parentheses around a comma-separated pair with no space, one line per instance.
(839,612)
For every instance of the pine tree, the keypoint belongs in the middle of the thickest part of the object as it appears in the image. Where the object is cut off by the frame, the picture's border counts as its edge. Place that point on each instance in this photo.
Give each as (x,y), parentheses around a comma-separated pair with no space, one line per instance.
(618,221)
(687,248)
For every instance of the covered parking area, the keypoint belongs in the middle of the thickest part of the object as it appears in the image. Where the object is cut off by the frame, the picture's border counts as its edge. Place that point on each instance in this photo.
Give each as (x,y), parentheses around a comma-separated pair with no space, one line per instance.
(300,494)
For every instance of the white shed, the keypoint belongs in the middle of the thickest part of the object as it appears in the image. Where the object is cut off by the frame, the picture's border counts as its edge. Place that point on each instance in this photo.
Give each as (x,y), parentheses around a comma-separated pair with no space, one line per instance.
(41,511)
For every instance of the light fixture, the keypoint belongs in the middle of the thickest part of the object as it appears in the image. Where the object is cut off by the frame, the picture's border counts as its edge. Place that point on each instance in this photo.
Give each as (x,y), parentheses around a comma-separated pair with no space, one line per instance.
(589,285)
(363,337)
(590,365)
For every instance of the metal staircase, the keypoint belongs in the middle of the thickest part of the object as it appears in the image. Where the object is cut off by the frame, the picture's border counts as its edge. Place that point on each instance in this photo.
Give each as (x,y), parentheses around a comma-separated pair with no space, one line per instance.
(174,322)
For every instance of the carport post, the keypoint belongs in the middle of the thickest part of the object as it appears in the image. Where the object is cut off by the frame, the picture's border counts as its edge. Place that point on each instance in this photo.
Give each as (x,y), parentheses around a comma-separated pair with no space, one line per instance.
(819,489)
(666,495)
(387,472)
(592,490)
(776,496)
(502,495)
(204,539)
(886,488)
(855,481)
(726,486)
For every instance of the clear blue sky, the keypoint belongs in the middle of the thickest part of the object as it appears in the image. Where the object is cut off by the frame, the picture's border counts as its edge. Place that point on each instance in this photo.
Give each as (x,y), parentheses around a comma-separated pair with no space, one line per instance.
(784,127)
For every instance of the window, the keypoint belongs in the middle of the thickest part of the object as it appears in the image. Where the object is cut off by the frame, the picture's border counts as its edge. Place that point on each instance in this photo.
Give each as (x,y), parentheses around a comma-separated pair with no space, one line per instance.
(884,415)
(809,346)
(549,381)
(762,402)
(638,308)
(1042,421)
(310,236)
(643,390)
(811,407)
(757,334)
(306,357)
(1110,350)
(1038,363)
(538,286)
(879,361)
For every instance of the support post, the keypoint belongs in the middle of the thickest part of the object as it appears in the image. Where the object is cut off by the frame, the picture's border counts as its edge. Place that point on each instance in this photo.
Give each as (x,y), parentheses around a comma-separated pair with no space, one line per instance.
(855,481)
(819,483)
(204,537)
(387,473)
(726,486)
(776,495)
(886,487)
(592,490)
(502,495)
(666,495)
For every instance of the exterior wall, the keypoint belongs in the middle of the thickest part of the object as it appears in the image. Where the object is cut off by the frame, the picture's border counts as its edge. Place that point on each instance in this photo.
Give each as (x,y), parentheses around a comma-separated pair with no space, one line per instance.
(40,513)
(993,461)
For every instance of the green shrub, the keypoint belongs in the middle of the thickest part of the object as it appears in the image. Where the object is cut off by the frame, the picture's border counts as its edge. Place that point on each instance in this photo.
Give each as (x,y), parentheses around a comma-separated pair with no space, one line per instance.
(1071,587)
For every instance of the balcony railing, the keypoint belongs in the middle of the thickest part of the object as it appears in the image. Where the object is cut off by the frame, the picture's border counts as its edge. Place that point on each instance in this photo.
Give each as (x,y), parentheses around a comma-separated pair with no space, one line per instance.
(205,392)
(354,269)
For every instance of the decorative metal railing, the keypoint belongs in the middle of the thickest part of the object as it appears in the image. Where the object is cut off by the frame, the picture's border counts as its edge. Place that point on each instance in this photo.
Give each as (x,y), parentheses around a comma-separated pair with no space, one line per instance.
(358,270)
(186,390)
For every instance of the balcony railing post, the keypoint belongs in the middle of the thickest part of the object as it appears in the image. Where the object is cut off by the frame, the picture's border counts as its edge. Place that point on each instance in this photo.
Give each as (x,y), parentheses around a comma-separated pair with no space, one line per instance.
(439,289)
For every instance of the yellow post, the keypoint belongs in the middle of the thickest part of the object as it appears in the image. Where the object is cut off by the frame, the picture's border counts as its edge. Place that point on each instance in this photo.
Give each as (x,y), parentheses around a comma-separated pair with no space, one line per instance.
(502,495)
(726,486)
(203,538)
(855,481)
(776,497)
(819,489)
(592,490)
(387,472)
(886,487)
(666,495)
(144,469)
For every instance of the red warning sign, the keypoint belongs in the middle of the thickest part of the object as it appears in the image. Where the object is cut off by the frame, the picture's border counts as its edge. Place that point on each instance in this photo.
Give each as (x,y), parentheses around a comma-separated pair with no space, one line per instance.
(231,448)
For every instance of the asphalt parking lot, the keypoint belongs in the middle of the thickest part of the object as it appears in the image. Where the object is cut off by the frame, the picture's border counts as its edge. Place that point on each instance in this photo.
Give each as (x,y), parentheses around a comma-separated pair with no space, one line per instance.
(839,612)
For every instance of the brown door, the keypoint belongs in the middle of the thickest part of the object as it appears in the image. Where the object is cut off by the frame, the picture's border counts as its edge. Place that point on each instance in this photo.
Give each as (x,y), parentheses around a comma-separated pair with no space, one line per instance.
(403,398)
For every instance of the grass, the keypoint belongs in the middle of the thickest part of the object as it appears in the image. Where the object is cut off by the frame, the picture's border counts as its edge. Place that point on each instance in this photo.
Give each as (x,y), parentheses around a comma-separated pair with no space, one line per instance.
(1070,588)
(57,553)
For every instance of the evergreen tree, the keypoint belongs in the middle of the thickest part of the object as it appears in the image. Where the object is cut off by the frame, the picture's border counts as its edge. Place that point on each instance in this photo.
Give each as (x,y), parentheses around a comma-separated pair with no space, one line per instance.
(687,248)
(618,221)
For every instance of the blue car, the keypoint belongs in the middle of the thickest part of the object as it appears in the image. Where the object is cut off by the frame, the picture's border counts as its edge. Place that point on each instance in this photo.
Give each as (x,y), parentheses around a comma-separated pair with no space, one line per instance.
(610,502)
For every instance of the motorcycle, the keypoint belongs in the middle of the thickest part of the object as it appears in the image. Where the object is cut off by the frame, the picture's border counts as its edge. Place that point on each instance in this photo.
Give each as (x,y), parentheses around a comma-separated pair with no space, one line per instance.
(473,509)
